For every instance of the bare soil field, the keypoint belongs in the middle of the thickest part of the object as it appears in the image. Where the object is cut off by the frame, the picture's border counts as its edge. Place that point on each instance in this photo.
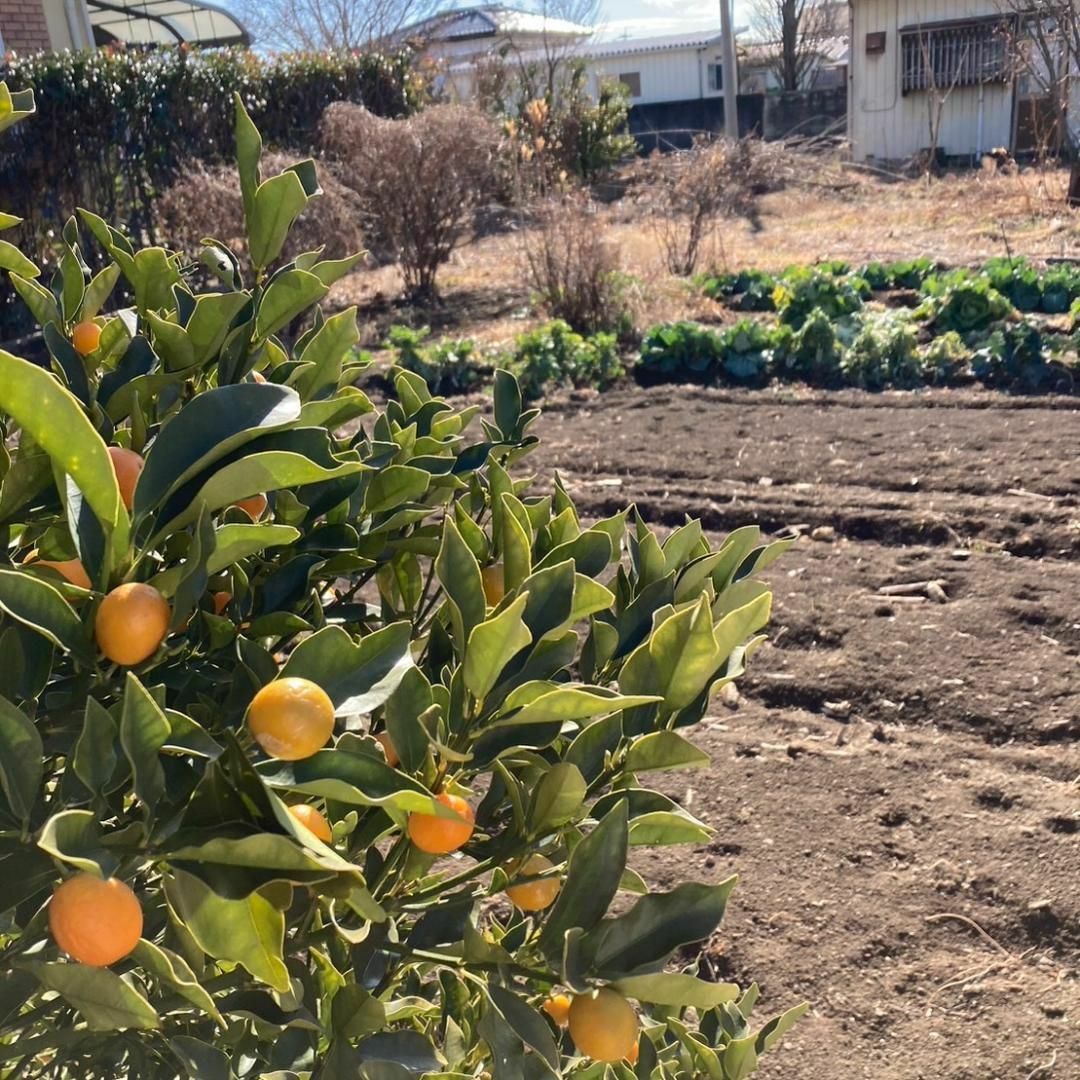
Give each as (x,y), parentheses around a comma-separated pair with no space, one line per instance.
(899,784)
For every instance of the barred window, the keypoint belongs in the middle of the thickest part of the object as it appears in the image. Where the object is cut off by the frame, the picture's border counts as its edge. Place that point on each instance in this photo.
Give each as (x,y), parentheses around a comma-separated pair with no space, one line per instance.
(953,54)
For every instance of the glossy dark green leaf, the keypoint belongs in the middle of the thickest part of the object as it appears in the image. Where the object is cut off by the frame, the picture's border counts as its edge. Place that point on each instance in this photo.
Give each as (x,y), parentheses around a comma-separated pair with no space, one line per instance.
(106,1002)
(592,879)
(37,604)
(491,646)
(409,1049)
(74,837)
(650,932)
(459,574)
(200,1060)
(529,1026)
(144,730)
(557,798)
(21,764)
(402,713)
(172,971)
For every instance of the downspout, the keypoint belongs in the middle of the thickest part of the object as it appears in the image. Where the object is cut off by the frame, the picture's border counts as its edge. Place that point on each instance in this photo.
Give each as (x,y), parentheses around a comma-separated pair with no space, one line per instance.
(78,20)
(851,81)
(979,135)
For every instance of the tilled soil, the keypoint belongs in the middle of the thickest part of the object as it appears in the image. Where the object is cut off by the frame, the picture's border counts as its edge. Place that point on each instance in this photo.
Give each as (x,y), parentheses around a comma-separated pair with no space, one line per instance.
(899,784)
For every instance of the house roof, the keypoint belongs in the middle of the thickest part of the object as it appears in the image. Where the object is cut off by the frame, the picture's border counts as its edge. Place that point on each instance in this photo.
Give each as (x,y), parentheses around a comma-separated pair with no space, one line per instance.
(488,21)
(833,50)
(702,39)
(164,22)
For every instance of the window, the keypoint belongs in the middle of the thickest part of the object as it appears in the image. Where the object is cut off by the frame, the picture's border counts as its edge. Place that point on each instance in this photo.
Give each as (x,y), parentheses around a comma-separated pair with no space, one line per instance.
(632,81)
(716,77)
(945,55)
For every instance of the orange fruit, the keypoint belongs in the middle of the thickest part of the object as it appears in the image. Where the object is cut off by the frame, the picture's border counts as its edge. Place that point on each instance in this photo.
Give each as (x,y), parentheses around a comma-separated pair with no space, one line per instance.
(86,337)
(494,584)
(131,622)
(221,601)
(603,1025)
(291,718)
(558,1008)
(254,507)
(534,895)
(71,570)
(312,820)
(438,835)
(127,465)
(392,759)
(95,921)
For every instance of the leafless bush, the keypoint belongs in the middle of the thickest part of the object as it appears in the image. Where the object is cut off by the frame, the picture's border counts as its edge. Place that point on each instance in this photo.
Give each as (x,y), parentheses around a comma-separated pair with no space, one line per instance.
(692,190)
(419,179)
(206,201)
(575,271)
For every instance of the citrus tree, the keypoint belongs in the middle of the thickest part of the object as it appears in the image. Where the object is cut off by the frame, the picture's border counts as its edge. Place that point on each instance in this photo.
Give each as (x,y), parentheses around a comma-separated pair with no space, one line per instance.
(324,743)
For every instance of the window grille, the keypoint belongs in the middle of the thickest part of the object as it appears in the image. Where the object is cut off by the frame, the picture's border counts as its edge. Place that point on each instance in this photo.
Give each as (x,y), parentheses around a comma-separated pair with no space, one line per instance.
(958,54)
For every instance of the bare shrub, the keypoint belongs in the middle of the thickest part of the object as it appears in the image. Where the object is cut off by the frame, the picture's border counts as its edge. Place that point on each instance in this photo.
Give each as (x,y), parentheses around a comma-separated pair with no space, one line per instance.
(575,271)
(419,180)
(205,201)
(691,191)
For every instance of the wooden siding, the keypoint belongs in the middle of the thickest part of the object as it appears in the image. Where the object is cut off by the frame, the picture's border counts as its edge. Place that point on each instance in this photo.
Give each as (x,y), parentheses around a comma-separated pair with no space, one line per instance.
(888,125)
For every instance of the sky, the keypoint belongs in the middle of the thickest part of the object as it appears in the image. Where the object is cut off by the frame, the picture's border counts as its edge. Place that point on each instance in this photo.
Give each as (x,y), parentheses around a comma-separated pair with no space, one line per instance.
(644,18)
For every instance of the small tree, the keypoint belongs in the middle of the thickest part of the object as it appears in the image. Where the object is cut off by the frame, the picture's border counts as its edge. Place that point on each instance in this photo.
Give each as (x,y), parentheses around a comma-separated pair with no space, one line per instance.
(419,180)
(263,676)
(791,33)
(321,25)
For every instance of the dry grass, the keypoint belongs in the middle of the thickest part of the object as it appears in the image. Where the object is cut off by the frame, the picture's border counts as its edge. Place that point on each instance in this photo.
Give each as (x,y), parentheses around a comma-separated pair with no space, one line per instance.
(958,219)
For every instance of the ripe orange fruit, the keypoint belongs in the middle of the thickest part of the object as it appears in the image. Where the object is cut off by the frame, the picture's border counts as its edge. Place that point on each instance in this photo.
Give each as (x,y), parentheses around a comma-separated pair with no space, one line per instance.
(312,820)
(254,507)
(291,718)
(221,601)
(392,759)
(438,835)
(558,1008)
(603,1025)
(534,895)
(127,465)
(494,584)
(95,921)
(86,337)
(131,622)
(71,570)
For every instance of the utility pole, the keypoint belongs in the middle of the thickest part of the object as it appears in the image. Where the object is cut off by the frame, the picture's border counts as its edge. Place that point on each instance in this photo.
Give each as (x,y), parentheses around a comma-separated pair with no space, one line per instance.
(730,72)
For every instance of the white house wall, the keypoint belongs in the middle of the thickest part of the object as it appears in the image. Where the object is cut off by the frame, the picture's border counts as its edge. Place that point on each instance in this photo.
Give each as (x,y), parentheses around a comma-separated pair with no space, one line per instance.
(886,125)
(672,75)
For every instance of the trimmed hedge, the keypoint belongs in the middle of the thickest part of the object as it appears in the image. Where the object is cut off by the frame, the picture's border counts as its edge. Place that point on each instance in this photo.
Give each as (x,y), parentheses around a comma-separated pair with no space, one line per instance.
(114,128)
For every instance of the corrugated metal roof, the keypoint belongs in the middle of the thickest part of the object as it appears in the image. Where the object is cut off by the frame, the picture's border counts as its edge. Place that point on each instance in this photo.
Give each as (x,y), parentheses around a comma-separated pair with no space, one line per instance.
(664,43)
(490,20)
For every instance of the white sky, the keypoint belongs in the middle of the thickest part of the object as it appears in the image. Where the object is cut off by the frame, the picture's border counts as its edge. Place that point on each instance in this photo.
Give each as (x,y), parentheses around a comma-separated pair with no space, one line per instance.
(645,18)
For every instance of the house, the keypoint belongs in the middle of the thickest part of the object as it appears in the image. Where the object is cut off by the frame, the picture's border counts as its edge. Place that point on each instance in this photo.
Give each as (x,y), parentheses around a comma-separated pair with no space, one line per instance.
(938,73)
(36,25)
(827,70)
(462,35)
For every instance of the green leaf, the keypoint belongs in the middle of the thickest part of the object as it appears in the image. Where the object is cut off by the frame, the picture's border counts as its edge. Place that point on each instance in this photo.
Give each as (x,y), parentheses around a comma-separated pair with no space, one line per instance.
(144,730)
(172,971)
(680,991)
(248,153)
(564,704)
(39,605)
(171,343)
(402,713)
(266,851)
(11,258)
(212,425)
(393,485)
(39,300)
(74,837)
(355,779)
(357,677)
(289,294)
(21,760)
(9,221)
(492,645)
(256,475)
(278,202)
(249,931)
(592,879)
(57,423)
(557,798)
(326,350)
(776,1028)
(106,1002)
(409,1049)
(650,932)
(93,759)
(529,1026)
(663,750)
(662,827)
(202,1061)
(98,291)
(459,574)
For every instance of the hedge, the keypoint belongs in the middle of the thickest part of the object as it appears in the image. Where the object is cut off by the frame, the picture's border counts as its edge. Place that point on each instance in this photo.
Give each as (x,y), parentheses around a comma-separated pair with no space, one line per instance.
(114,127)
